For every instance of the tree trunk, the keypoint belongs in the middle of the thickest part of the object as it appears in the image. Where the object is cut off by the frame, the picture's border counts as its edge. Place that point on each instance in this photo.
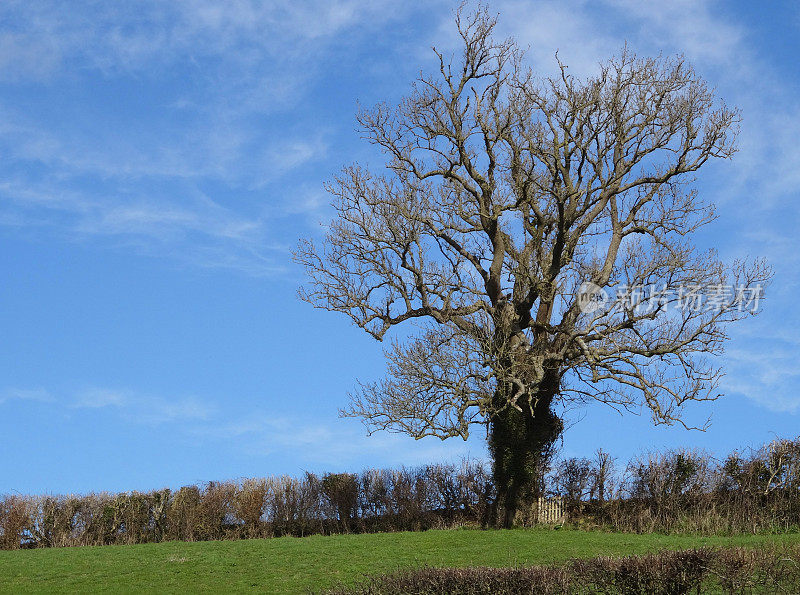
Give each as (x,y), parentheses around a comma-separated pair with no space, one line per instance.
(520,443)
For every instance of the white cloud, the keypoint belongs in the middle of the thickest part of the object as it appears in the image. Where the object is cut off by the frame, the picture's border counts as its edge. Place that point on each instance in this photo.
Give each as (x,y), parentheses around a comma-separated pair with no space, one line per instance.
(761,362)
(343,444)
(38,395)
(585,32)
(313,443)
(47,39)
(564,27)
(144,409)
(696,28)
(768,376)
(242,63)
(195,229)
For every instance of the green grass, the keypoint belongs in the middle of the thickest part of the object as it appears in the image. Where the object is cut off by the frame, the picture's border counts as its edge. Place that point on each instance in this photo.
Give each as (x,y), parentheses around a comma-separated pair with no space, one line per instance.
(312,563)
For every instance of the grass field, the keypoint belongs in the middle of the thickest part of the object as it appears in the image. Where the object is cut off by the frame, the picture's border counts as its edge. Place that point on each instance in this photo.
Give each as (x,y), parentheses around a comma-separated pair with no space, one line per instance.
(298,565)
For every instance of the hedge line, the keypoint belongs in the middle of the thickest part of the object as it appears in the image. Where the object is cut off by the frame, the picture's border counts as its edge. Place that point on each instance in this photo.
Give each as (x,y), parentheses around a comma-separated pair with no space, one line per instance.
(734,570)
(375,500)
(674,491)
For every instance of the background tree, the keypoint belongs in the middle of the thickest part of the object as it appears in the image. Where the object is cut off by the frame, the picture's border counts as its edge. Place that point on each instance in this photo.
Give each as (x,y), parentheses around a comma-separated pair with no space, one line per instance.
(573,478)
(503,195)
(601,475)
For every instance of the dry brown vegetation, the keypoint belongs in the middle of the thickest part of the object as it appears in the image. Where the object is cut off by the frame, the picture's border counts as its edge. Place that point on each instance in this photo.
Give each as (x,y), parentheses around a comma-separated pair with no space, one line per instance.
(679,491)
(434,496)
(686,491)
(734,570)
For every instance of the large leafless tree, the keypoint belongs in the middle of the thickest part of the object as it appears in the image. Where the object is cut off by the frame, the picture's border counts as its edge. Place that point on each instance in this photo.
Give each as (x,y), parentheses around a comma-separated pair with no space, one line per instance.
(504,195)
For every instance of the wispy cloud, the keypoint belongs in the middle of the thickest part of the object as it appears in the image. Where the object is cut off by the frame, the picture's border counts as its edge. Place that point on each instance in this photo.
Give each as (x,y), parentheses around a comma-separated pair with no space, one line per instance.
(696,28)
(194,229)
(50,38)
(768,376)
(144,409)
(341,444)
(310,442)
(166,100)
(130,405)
(38,395)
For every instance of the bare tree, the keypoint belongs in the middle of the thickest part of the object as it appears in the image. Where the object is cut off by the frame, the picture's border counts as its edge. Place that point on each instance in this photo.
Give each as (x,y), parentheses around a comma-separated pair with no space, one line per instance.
(573,478)
(601,475)
(504,194)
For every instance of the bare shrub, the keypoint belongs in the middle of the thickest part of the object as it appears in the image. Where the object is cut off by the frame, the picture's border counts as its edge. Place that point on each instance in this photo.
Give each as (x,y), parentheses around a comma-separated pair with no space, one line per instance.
(572,480)
(183,514)
(735,570)
(54,520)
(676,491)
(14,521)
(340,491)
(602,476)
(375,500)
(249,504)
(407,503)
(688,491)
(374,495)
(294,506)
(216,511)
(468,581)
(671,573)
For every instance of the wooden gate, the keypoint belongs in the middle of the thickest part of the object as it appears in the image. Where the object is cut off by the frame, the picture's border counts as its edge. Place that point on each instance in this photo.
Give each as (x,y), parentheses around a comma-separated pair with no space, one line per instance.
(551,511)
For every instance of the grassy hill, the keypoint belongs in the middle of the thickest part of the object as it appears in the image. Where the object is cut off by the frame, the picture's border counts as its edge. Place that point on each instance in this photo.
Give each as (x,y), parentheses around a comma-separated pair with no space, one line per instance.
(311,563)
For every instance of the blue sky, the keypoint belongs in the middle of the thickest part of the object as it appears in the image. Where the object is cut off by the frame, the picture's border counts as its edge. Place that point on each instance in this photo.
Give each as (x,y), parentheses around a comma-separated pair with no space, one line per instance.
(160,160)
